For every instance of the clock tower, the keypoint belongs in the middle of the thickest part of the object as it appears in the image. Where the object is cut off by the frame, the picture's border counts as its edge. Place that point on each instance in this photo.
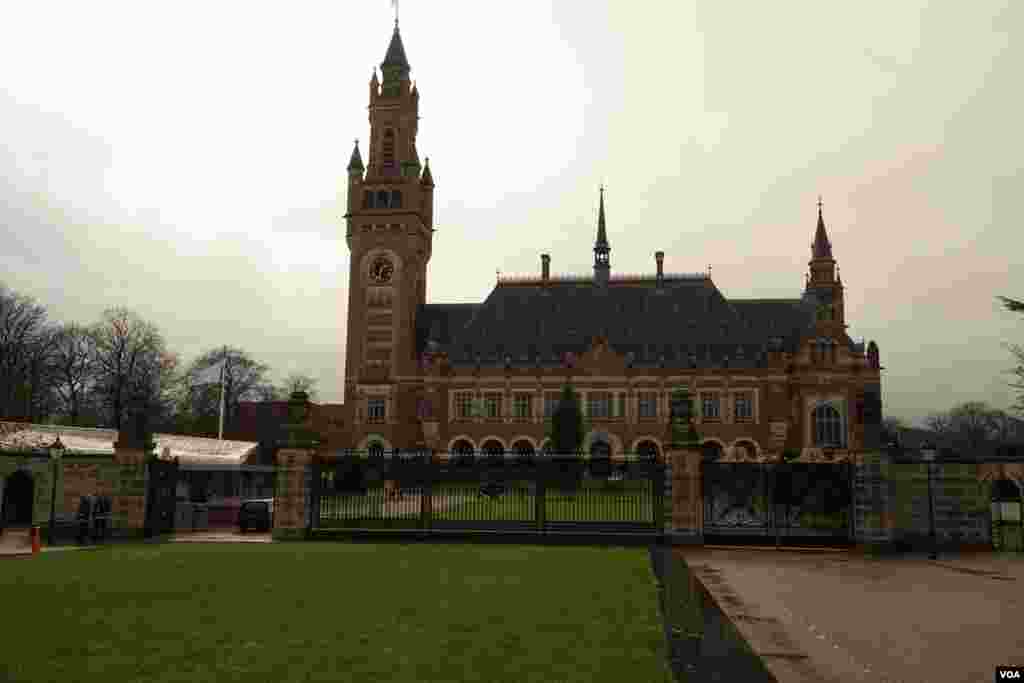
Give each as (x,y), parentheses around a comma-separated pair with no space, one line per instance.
(389,226)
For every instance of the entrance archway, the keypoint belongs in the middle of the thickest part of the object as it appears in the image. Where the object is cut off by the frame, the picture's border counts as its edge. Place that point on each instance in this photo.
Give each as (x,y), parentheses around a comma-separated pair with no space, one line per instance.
(17,503)
(647,450)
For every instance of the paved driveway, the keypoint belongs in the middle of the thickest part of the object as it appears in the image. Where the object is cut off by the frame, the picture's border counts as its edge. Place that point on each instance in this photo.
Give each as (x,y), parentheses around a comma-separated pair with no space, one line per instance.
(840,617)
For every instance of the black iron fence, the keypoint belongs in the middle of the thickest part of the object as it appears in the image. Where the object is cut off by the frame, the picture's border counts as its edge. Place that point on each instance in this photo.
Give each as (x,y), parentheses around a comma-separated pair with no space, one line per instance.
(457,495)
(787,504)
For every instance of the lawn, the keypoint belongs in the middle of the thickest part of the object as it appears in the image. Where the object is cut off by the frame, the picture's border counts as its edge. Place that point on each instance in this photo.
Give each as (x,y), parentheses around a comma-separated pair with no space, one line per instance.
(613,503)
(332,612)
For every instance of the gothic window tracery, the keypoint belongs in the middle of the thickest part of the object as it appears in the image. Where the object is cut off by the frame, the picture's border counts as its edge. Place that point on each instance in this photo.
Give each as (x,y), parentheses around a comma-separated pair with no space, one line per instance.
(828,426)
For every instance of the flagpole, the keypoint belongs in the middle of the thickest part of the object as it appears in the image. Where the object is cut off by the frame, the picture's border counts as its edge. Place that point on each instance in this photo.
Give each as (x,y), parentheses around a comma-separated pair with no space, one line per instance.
(223,372)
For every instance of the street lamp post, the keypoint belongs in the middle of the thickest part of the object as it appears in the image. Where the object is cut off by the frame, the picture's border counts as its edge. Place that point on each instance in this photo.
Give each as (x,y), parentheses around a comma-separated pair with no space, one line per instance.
(56,449)
(928,455)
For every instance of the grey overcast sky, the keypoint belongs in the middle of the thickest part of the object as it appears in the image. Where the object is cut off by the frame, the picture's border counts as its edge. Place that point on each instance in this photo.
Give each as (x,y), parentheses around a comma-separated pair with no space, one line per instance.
(187,160)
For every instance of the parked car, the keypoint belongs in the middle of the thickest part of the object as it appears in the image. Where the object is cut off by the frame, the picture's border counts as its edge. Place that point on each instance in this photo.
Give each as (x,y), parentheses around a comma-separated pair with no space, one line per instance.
(256,515)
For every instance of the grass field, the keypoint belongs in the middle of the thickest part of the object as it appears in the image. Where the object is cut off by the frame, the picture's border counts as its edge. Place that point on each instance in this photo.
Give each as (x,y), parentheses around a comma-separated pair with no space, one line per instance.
(172,612)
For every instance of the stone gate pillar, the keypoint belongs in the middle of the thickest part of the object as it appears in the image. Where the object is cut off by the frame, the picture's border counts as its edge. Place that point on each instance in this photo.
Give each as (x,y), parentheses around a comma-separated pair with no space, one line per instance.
(292,493)
(687,523)
(294,490)
(128,490)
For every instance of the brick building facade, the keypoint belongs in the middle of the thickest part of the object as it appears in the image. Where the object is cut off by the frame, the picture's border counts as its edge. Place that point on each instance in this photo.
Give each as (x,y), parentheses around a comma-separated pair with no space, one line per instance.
(768,375)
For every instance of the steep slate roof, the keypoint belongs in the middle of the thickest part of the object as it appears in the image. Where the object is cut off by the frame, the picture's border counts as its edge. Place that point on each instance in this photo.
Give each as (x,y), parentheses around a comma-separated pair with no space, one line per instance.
(441,322)
(688,316)
(396,52)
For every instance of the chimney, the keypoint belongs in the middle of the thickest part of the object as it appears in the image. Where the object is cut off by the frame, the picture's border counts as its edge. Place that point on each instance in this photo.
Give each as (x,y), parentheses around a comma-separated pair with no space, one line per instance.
(659,259)
(545,267)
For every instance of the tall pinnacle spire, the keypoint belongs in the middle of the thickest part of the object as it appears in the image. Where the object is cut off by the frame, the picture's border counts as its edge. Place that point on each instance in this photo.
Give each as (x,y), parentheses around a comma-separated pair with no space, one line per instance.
(602,236)
(355,164)
(602,267)
(822,248)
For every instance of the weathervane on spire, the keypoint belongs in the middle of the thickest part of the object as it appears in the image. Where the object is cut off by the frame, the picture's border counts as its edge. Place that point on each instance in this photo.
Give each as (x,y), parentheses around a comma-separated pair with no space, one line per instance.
(394,3)
(819,196)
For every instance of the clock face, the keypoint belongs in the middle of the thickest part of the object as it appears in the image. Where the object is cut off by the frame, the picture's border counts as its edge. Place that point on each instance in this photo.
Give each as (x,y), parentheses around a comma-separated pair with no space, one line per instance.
(381,270)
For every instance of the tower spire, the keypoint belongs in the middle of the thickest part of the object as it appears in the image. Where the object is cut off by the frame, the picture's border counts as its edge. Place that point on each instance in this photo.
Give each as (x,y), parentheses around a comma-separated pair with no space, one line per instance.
(395,67)
(602,267)
(822,248)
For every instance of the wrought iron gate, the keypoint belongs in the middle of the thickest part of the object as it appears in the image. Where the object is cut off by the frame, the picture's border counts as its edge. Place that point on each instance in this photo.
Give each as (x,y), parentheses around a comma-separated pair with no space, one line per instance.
(1007,517)
(788,504)
(160,498)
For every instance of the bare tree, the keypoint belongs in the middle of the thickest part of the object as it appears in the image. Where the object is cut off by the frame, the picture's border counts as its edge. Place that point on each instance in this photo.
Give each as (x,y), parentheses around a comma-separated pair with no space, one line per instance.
(891,427)
(38,377)
(130,361)
(300,381)
(21,321)
(940,423)
(1015,306)
(245,379)
(973,424)
(74,369)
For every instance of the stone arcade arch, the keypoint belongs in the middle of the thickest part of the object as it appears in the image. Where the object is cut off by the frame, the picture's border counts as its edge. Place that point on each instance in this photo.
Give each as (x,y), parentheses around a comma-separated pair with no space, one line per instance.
(374,444)
(713,449)
(647,446)
(492,445)
(746,449)
(524,445)
(462,445)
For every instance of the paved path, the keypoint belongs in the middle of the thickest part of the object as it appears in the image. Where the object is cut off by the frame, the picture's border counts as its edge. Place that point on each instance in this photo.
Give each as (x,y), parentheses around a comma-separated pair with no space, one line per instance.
(840,617)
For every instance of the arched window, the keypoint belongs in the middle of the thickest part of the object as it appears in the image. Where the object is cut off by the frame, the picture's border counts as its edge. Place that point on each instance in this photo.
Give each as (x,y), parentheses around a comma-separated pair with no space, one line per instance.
(828,427)
(396,199)
(647,449)
(382,200)
(600,449)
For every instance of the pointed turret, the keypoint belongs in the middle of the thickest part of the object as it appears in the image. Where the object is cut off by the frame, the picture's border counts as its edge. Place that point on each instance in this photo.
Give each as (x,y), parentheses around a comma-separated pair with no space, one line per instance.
(355,164)
(427,180)
(602,267)
(374,86)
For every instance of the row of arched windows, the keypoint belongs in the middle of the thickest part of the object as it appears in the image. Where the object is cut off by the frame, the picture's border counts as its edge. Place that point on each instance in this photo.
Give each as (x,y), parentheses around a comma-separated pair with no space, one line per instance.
(382,199)
(524,447)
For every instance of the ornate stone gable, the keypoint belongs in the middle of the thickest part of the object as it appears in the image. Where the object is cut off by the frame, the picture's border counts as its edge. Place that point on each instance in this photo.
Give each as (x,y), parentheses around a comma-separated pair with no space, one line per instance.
(601,360)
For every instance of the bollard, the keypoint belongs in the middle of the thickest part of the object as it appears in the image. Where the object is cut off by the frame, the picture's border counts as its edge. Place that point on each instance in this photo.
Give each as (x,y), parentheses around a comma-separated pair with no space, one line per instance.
(35,540)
